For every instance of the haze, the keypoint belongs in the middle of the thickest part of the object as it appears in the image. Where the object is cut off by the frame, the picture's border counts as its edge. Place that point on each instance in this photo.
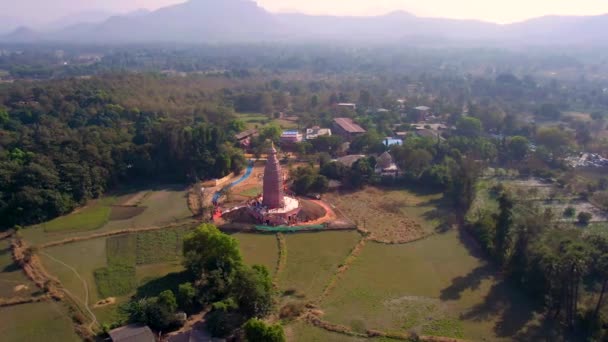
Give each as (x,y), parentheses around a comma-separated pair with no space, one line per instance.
(500,11)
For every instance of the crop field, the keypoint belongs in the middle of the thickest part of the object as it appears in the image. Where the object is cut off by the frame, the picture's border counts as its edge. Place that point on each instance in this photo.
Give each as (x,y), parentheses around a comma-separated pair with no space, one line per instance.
(259,249)
(313,258)
(36,322)
(434,286)
(391,215)
(301,332)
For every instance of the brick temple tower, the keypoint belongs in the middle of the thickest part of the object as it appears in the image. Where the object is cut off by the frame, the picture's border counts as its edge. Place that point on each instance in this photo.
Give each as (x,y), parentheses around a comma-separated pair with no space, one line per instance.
(273,197)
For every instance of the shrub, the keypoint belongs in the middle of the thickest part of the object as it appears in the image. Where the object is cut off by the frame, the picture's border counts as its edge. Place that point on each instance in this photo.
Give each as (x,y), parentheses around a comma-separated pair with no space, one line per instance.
(584,218)
(569,212)
(291,310)
(258,331)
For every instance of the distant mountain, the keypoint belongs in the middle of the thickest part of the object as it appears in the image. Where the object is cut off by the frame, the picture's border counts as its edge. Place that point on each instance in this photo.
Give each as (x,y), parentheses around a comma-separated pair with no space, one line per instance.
(198,21)
(87,17)
(9,24)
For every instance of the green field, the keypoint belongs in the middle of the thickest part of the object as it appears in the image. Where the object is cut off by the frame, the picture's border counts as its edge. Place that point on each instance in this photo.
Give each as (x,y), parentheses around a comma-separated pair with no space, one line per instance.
(162,207)
(253,192)
(90,218)
(37,322)
(434,286)
(259,250)
(313,258)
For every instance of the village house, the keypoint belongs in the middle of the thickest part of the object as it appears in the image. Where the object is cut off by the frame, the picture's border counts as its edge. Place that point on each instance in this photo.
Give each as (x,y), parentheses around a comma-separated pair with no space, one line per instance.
(352,106)
(132,333)
(244,138)
(347,128)
(315,132)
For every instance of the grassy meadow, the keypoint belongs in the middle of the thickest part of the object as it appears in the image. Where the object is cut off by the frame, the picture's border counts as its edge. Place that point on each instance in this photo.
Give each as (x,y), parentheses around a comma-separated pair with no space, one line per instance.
(13,281)
(437,286)
(36,322)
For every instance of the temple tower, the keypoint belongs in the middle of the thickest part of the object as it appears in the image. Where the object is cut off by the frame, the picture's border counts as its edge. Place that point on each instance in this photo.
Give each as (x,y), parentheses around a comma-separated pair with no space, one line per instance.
(273,197)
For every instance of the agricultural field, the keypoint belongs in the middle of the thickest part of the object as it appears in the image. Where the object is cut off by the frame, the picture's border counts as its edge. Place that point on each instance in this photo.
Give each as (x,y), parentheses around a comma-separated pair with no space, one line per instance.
(436,286)
(257,120)
(259,249)
(301,332)
(312,259)
(392,215)
(138,209)
(47,321)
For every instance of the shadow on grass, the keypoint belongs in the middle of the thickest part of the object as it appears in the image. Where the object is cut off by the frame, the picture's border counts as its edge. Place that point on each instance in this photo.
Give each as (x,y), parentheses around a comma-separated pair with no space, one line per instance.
(512,310)
(154,287)
(10,268)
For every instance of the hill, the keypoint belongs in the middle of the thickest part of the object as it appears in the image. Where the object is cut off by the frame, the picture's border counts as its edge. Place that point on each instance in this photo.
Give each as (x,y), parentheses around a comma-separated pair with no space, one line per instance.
(208,21)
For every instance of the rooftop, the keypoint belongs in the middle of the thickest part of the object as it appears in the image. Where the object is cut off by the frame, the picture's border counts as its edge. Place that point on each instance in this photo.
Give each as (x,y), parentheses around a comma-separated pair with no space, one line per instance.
(132,333)
(349,125)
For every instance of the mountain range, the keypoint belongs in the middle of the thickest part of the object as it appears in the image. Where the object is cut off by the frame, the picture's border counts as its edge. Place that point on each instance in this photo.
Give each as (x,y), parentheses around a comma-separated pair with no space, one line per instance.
(212,21)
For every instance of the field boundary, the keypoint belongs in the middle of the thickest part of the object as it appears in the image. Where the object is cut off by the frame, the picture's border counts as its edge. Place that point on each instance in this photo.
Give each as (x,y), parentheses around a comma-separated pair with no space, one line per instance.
(6,302)
(113,233)
(316,321)
(352,256)
(282,261)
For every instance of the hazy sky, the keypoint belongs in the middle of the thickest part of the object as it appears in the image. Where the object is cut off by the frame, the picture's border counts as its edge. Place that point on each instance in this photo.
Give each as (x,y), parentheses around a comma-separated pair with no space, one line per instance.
(491,10)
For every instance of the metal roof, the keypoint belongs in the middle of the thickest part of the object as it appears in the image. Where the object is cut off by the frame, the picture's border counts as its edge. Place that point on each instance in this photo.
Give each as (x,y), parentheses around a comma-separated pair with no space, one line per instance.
(349,126)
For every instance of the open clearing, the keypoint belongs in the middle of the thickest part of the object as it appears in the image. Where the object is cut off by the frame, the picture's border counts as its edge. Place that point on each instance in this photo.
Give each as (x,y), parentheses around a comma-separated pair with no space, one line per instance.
(313,258)
(434,286)
(36,322)
(302,332)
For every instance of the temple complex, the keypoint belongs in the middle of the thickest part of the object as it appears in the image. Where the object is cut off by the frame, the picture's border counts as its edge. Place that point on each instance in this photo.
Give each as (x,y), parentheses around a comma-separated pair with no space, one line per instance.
(274,208)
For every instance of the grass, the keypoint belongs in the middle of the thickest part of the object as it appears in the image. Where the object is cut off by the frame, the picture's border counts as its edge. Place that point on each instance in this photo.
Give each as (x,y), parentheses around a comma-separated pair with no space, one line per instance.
(434,286)
(115,280)
(84,257)
(253,192)
(259,249)
(36,322)
(313,258)
(121,213)
(90,218)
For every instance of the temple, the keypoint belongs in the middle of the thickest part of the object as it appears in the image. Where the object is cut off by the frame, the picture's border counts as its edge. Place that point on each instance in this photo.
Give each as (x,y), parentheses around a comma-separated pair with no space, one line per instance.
(275,208)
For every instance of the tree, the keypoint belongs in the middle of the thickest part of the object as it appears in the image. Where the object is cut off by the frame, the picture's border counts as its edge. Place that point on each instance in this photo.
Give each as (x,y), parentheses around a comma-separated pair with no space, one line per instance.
(584,218)
(271,132)
(212,258)
(518,148)
(549,111)
(570,212)
(186,296)
(469,127)
(252,290)
(504,223)
(258,331)
(554,139)
(599,255)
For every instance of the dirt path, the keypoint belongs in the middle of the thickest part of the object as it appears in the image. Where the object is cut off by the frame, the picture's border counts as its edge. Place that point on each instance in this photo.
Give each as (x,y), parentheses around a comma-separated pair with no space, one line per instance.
(85,285)
(329,214)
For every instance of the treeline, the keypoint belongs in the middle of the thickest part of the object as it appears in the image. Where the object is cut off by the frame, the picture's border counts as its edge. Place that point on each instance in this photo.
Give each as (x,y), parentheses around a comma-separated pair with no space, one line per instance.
(64,143)
(559,265)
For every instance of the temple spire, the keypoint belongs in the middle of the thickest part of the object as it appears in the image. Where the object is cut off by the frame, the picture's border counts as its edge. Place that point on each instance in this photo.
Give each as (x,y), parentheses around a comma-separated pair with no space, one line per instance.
(273,197)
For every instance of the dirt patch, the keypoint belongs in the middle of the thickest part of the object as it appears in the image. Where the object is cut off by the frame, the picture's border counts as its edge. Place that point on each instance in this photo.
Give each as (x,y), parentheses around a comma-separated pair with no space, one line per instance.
(385,214)
(121,213)
(135,199)
(20,288)
(311,212)
(105,302)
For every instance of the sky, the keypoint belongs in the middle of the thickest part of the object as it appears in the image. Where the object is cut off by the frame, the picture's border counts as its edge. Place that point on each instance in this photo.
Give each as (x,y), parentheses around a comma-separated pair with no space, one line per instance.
(500,11)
